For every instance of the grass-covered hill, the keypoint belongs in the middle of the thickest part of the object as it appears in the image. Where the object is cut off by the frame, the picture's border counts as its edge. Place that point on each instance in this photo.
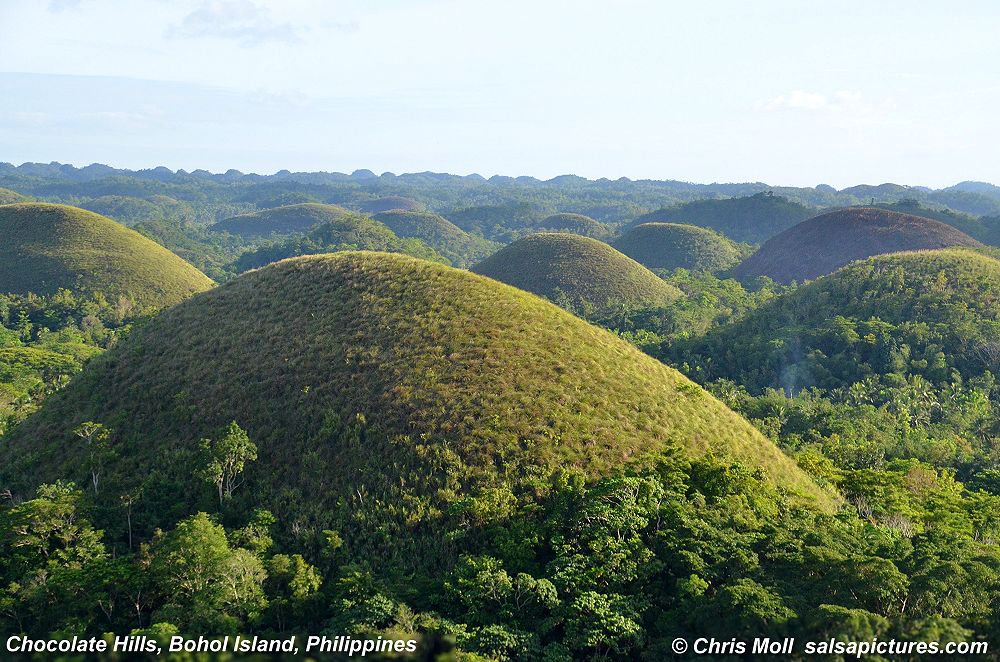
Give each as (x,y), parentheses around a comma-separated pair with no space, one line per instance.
(45,247)
(574,223)
(921,313)
(388,397)
(752,219)
(8,197)
(288,219)
(451,241)
(674,245)
(389,203)
(577,272)
(824,243)
(347,232)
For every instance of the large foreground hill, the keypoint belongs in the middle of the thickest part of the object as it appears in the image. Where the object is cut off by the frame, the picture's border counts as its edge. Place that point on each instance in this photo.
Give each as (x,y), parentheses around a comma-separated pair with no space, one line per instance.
(383,392)
(823,244)
(45,247)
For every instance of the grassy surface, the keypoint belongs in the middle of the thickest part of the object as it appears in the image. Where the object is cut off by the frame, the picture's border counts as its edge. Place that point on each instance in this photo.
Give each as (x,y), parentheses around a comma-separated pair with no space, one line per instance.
(451,241)
(575,223)
(288,219)
(672,245)
(583,271)
(8,197)
(383,392)
(390,203)
(752,219)
(46,247)
(823,244)
(924,312)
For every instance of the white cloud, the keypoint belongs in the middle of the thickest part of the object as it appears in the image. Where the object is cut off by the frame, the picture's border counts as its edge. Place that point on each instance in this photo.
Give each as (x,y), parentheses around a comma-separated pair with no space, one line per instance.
(812,101)
(244,21)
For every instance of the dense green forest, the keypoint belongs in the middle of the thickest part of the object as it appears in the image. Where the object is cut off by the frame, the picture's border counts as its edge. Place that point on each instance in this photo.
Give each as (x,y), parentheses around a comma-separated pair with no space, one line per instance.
(381,443)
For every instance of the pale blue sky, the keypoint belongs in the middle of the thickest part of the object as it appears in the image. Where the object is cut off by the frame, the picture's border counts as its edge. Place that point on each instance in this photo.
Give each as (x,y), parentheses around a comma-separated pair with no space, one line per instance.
(787,92)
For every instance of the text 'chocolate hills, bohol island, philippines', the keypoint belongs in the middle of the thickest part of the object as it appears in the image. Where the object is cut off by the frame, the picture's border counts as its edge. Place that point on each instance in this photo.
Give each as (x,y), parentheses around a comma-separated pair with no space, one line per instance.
(276,385)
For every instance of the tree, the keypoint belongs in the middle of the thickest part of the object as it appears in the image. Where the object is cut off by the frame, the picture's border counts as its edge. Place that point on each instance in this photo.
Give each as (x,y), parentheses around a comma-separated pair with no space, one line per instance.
(99,450)
(226,460)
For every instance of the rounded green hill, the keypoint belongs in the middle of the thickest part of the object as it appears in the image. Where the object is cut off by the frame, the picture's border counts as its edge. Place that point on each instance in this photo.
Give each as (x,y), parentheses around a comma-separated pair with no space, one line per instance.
(382,392)
(346,232)
(672,246)
(8,197)
(439,233)
(45,247)
(575,223)
(390,203)
(922,312)
(583,271)
(288,219)
(824,243)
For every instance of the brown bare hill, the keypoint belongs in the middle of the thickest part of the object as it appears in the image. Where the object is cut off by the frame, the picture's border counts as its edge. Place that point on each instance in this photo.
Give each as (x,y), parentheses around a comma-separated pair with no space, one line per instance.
(822,244)
(288,219)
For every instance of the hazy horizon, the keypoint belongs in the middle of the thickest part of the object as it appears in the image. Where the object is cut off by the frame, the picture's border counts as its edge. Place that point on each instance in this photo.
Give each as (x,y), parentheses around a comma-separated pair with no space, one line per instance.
(777,92)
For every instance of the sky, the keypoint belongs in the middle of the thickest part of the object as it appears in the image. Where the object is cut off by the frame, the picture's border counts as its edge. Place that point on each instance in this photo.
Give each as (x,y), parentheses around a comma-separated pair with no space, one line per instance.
(780,91)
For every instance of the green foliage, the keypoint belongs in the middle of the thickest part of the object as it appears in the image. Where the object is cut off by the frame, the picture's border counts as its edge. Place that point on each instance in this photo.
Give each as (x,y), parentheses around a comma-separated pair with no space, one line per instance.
(44,248)
(223,461)
(923,313)
(672,246)
(578,273)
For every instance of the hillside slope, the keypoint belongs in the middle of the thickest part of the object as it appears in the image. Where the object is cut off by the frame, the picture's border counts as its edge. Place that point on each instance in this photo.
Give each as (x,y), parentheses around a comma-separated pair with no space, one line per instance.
(575,223)
(451,241)
(45,247)
(824,243)
(926,313)
(383,392)
(287,219)
(673,245)
(584,271)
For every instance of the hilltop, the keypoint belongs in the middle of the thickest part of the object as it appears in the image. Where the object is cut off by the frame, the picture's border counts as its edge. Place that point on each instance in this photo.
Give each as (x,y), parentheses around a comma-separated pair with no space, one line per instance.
(827,242)
(382,392)
(287,219)
(390,203)
(451,241)
(924,312)
(753,219)
(8,197)
(347,232)
(673,245)
(578,271)
(574,223)
(45,247)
